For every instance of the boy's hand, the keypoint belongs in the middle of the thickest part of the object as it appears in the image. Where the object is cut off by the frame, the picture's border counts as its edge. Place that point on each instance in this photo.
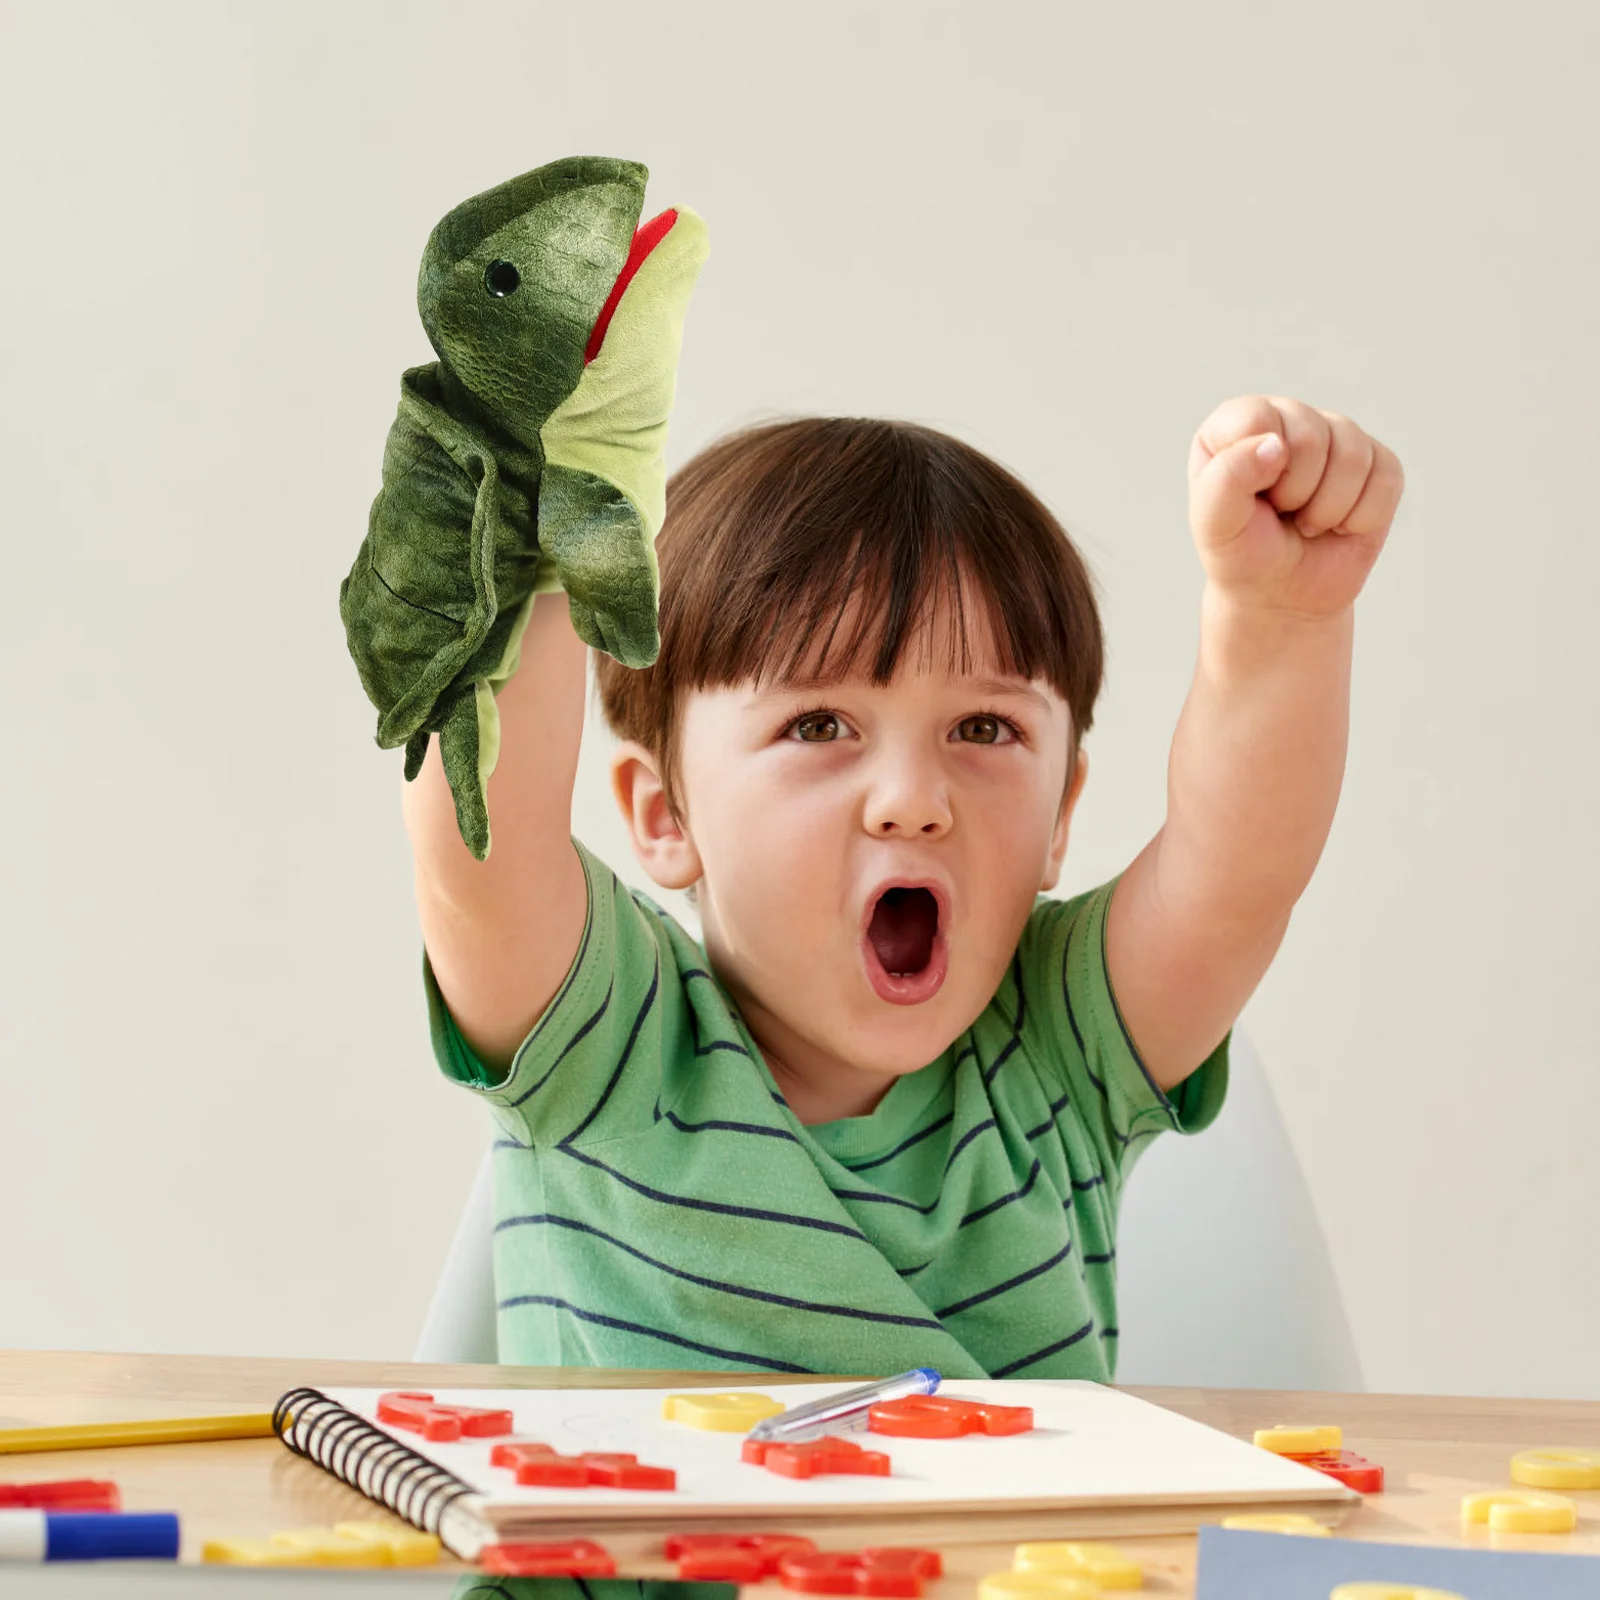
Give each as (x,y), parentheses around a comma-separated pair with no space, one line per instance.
(1298,532)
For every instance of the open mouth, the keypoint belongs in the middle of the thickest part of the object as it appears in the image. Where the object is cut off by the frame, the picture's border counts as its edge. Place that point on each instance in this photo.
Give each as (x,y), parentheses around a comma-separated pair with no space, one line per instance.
(904,945)
(647,237)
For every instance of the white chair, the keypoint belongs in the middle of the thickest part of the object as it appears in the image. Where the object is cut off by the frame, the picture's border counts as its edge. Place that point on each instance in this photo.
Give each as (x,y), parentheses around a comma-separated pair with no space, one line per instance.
(460,1321)
(1223,1275)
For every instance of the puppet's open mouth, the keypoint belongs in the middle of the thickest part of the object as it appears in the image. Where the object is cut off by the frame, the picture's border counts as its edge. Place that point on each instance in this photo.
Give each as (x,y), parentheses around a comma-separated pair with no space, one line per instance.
(904,924)
(648,236)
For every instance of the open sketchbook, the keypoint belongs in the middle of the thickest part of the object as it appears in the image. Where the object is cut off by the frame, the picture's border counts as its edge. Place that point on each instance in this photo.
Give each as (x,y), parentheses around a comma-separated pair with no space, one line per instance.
(1097,1462)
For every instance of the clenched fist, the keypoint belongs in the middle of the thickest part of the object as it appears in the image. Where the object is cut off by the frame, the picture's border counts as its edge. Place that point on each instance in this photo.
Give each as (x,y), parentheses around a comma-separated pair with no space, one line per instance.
(1289,506)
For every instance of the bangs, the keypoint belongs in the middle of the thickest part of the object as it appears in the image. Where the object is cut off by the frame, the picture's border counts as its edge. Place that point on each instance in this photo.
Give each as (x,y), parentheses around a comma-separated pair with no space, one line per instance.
(843,567)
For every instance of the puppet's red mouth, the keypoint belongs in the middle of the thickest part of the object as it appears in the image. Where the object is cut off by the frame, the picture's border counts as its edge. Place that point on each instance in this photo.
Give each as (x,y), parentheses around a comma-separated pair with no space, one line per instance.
(649,235)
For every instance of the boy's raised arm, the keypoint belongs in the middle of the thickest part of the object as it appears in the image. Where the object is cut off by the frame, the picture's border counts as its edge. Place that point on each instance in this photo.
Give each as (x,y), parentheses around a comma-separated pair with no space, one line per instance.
(501,933)
(1259,751)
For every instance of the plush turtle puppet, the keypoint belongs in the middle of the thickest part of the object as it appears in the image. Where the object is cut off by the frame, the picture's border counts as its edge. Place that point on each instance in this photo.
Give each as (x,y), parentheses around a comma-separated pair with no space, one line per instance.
(528,457)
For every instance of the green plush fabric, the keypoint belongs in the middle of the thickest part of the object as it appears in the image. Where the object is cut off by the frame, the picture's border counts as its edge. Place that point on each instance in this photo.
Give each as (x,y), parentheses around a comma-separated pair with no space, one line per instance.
(515,467)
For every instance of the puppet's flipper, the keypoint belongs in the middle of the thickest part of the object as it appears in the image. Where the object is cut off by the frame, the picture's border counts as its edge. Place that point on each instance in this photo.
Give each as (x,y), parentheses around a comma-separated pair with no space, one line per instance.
(610,434)
(464,742)
(421,604)
(597,540)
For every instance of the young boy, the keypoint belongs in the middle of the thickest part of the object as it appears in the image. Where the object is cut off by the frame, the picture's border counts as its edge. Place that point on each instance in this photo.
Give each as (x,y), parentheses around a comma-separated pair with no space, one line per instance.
(883,1117)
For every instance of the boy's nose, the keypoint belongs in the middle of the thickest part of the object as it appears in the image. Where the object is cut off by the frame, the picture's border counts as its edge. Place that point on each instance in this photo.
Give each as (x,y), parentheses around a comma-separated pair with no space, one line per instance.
(908,801)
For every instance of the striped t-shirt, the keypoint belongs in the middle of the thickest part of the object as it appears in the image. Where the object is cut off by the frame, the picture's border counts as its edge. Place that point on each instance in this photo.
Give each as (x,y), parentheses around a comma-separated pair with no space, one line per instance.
(659,1205)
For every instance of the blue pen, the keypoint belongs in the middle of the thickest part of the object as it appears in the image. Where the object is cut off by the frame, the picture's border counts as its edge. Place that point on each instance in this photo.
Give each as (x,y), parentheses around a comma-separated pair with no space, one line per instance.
(88,1536)
(847,1409)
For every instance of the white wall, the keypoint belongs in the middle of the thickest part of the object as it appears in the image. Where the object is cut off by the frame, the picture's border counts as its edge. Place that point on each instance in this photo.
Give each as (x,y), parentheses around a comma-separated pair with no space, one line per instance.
(1062,231)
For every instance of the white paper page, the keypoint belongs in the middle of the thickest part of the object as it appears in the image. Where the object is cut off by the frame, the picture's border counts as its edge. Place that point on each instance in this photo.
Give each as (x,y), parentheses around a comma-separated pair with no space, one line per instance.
(1090,1444)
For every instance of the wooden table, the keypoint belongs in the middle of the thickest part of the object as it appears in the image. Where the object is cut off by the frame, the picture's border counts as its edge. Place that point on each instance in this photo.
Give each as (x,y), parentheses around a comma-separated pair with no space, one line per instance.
(1435,1449)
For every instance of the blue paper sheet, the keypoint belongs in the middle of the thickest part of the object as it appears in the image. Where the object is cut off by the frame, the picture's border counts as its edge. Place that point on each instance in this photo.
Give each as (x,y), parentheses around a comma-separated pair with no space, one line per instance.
(1277,1566)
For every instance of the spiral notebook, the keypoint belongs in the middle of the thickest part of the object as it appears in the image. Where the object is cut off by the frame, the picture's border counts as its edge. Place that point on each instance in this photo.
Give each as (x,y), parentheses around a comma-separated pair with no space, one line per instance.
(1098,1462)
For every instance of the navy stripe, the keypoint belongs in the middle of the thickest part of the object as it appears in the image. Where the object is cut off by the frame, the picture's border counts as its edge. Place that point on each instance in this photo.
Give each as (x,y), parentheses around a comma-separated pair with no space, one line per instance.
(903,1146)
(911,1205)
(1072,1019)
(714,1206)
(1055,1107)
(772,1364)
(1049,1350)
(1081,1184)
(627,1050)
(570,1045)
(509,1144)
(1108,1333)
(1006,1199)
(1011,1283)
(1100,1261)
(715,1124)
(966,1139)
(993,1069)
(983,1211)
(694,1021)
(822,1308)
(577,967)
(1001,1059)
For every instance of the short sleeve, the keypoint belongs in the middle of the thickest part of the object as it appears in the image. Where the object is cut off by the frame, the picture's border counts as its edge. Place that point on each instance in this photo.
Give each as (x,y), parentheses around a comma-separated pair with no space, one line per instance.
(1063,958)
(590,1066)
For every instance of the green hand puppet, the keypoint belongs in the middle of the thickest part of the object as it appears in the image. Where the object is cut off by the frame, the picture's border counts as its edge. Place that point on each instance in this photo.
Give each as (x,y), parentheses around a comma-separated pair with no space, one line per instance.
(529,457)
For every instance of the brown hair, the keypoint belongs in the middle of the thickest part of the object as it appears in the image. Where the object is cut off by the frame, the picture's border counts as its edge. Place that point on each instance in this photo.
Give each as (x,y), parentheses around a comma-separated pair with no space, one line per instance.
(771,530)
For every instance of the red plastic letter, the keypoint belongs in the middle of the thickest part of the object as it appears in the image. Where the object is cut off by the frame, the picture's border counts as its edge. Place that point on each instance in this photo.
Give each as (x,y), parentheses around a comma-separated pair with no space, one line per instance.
(814,1458)
(615,1471)
(578,1558)
(883,1571)
(417,1413)
(732,1557)
(542,1467)
(1352,1470)
(930,1416)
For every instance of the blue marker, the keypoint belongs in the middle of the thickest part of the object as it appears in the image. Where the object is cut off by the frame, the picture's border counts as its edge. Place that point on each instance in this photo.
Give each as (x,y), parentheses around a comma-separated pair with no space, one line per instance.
(847,1410)
(88,1536)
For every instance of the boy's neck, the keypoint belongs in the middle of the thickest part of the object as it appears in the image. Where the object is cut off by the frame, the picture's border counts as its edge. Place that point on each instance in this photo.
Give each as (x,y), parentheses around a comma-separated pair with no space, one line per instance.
(816,1086)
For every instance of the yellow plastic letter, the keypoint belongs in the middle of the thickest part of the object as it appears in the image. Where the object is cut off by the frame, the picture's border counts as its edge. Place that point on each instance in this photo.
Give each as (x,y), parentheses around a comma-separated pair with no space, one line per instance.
(1557,1469)
(720,1413)
(1101,1564)
(1278,1522)
(405,1547)
(1283,1441)
(1520,1511)
(1390,1591)
(253,1553)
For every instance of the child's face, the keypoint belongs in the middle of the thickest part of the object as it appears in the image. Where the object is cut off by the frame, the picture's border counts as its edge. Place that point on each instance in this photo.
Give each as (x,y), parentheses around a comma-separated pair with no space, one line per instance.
(803,806)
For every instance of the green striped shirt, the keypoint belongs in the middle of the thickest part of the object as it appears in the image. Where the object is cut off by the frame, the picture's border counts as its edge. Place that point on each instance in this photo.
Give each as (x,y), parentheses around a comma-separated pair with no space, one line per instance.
(659,1205)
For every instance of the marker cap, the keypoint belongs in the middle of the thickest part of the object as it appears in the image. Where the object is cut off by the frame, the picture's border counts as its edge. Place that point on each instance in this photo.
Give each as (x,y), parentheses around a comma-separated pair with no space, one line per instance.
(88,1536)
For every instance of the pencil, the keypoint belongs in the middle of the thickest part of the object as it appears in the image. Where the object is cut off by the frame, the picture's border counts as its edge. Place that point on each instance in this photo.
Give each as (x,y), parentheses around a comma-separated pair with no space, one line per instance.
(113,1435)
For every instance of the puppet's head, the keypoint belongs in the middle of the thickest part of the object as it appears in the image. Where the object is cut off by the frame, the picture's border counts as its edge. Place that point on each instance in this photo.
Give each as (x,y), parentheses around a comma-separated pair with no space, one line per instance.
(514,281)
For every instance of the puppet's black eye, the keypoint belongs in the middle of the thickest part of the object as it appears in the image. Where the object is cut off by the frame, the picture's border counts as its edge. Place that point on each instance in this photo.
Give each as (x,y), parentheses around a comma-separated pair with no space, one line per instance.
(501,278)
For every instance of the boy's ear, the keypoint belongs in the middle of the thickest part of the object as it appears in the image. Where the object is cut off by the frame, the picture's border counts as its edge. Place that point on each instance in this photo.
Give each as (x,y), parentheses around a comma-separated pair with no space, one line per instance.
(1058,839)
(661,843)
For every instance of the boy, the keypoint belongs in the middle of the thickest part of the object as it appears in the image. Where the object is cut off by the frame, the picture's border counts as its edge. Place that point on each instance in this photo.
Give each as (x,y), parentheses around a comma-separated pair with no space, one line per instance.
(882,1118)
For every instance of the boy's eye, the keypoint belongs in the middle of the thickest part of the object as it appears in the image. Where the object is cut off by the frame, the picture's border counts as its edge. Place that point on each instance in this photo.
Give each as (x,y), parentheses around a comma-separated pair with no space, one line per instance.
(816,727)
(983,729)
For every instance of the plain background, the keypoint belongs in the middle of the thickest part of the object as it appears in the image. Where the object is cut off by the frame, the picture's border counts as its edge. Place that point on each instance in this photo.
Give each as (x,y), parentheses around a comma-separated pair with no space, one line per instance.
(1063,232)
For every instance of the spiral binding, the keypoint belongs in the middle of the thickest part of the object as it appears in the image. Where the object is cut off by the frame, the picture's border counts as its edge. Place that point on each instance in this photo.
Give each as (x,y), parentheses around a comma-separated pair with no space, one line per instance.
(361,1454)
